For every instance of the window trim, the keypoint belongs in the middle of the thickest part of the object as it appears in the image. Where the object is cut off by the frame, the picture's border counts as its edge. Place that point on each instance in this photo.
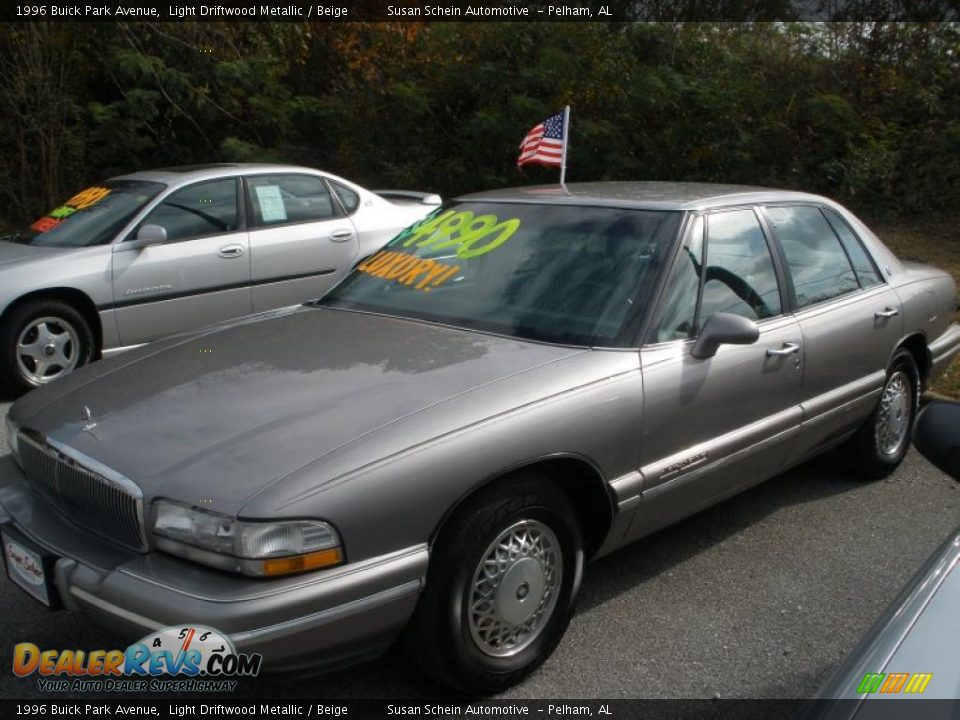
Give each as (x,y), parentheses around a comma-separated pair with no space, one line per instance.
(641,337)
(241,215)
(686,227)
(252,223)
(857,239)
(795,306)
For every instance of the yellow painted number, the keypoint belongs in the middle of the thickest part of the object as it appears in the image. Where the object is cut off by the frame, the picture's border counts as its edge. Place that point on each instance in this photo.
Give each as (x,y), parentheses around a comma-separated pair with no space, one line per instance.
(462,230)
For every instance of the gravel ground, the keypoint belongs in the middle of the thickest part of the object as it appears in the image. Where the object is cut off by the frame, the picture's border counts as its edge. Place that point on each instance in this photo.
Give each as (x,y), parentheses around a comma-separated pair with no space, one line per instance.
(759,597)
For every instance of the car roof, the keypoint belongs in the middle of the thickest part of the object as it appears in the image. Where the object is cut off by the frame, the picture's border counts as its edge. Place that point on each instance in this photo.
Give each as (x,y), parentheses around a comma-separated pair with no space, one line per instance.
(184,173)
(652,195)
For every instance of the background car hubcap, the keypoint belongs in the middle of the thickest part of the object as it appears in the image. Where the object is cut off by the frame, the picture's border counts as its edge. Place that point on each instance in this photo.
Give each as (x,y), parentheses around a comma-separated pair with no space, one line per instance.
(893,419)
(46,349)
(515,588)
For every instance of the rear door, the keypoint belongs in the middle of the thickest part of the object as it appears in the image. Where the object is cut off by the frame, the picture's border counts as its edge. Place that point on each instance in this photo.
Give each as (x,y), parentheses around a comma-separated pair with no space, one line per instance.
(200,276)
(714,426)
(849,318)
(301,242)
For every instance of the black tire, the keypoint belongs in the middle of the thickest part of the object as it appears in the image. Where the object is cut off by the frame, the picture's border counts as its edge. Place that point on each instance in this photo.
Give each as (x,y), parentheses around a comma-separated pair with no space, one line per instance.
(80,344)
(441,639)
(866,452)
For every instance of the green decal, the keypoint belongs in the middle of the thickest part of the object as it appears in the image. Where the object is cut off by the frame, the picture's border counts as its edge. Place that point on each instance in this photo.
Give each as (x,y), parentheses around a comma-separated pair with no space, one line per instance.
(62,211)
(471,235)
(870,683)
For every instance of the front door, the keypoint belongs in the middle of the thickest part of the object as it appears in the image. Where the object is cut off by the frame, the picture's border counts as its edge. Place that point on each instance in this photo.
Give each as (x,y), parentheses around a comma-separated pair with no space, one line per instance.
(200,276)
(716,425)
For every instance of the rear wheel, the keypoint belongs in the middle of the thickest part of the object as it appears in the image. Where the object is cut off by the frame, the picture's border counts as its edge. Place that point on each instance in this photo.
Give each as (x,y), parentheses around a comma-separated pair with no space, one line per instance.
(42,341)
(501,588)
(881,443)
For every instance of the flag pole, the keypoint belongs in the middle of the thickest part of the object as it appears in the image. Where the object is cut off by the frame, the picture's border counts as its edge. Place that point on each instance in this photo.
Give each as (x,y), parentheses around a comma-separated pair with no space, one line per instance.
(566,140)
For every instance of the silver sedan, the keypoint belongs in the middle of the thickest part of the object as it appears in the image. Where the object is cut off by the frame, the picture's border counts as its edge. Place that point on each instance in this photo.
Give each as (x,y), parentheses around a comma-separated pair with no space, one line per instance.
(143,256)
(521,382)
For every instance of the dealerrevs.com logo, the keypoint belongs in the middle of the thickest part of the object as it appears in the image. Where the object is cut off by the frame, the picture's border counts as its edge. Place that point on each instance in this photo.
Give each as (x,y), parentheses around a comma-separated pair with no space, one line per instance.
(175,659)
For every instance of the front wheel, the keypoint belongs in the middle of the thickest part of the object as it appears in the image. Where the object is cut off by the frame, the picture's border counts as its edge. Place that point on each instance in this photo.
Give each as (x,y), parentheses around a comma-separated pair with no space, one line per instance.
(41,341)
(501,587)
(881,443)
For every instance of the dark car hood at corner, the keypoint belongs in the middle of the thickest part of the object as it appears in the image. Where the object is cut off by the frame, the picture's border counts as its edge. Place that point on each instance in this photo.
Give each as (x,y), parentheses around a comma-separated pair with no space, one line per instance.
(215,419)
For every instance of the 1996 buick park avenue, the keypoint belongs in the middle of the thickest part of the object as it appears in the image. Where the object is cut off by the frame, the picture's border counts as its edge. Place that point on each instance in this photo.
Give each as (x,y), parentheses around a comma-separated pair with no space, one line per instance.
(523,381)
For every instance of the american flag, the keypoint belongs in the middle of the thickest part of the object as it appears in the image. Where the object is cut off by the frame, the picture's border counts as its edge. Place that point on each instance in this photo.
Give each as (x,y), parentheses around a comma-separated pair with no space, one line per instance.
(544,143)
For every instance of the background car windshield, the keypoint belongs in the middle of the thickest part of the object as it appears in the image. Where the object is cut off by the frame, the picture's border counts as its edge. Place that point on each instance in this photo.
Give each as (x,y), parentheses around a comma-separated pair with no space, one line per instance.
(91,217)
(556,273)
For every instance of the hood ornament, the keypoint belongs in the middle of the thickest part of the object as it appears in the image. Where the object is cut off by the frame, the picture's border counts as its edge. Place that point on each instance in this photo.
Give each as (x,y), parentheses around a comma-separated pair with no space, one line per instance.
(88,422)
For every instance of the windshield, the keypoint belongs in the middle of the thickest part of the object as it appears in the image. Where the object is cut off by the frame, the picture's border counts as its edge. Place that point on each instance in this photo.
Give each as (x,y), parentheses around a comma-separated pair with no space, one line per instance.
(556,273)
(91,217)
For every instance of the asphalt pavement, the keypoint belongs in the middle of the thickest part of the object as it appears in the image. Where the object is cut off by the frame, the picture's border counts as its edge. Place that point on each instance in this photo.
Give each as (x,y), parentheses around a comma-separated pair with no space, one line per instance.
(759,597)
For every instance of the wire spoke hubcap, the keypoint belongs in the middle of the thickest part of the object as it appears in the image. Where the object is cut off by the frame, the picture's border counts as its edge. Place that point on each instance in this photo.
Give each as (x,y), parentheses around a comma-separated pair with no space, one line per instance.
(515,588)
(46,349)
(893,419)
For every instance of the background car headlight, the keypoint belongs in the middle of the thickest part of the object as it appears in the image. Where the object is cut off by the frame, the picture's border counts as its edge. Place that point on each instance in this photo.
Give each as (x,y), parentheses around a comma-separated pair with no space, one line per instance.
(260,548)
(12,430)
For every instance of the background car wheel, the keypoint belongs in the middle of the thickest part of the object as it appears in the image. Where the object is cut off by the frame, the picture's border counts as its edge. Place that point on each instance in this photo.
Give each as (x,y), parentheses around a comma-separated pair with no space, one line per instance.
(880,445)
(501,588)
(42,341)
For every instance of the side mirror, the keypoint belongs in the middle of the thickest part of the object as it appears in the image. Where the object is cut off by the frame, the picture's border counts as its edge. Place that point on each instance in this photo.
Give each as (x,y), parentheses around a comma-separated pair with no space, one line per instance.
(724,329)
(147,235)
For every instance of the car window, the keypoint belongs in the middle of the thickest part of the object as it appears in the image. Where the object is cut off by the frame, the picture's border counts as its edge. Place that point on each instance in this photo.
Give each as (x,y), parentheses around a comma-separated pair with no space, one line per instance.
(282,199)
(867,272)
(202,209)
(678,310)
(819,266)
(574,275)
(739,277)
(349,198)
(91,217)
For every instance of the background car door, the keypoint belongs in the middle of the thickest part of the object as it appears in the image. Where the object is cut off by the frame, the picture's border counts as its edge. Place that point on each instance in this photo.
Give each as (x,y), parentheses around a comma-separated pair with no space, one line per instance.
(713,426)
(301,244)
(201,275)
(849,318)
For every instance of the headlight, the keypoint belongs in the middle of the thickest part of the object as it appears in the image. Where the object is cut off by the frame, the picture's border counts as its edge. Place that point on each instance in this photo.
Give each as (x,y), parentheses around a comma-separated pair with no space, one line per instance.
(245,546)
(12,430)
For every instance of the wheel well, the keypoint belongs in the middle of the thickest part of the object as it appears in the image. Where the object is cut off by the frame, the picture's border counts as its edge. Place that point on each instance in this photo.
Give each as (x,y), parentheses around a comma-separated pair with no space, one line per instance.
(917,346)
(76,299)
(580,482)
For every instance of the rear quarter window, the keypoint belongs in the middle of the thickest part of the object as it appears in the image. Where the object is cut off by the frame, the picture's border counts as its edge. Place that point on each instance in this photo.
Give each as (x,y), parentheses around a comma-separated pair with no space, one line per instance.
(867,272)
(348,198)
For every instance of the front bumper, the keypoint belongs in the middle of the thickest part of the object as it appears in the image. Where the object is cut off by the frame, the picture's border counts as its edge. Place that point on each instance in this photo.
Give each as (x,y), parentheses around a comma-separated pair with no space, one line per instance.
(326,619)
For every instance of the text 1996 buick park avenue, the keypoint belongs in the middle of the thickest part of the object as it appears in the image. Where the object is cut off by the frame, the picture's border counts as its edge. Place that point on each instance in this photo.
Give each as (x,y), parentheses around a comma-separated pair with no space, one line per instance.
(522,381)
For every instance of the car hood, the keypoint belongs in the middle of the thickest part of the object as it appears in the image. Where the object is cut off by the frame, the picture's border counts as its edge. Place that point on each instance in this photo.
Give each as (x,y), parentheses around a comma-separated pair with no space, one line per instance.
(12,253)
(217,417)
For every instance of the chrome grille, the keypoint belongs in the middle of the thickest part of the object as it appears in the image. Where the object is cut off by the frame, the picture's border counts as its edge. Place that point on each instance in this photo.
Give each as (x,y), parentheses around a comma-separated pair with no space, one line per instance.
(111,507)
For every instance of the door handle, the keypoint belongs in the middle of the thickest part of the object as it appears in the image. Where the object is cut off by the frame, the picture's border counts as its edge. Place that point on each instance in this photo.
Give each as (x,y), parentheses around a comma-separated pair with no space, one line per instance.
(788,348)
(341,235)
(888,313)
(230,251)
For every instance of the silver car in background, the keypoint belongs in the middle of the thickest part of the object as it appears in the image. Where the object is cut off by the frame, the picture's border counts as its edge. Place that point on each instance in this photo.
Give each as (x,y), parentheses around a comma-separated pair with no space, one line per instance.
(147,255)
(912,650)
(524,380)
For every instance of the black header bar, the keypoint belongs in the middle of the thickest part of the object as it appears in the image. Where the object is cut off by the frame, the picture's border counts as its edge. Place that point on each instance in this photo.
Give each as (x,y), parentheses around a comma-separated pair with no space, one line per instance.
(479,11)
